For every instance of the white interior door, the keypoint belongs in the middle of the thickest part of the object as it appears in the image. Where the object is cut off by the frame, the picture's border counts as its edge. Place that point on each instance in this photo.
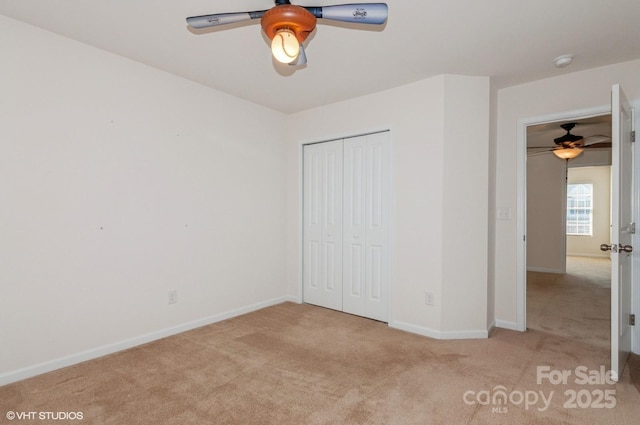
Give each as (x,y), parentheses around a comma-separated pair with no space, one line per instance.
(621,229)
(367,181)
(322,232)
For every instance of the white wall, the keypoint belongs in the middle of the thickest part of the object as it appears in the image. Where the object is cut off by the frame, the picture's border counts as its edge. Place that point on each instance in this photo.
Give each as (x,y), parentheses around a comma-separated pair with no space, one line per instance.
(546,184)
(600,177)
(569,92)
(439,130)
(547,245)
(118,183)
(465,205)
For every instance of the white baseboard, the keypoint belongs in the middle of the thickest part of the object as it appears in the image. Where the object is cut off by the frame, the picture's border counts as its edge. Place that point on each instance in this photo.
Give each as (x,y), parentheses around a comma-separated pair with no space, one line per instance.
(48,366)
(544,270)
(506,325)
(492,327)
(581,254)
(479,334)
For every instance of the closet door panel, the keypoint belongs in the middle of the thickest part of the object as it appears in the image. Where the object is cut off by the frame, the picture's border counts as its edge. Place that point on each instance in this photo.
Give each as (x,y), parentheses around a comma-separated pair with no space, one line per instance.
(377,221)
(322,238)
(332,226)
(354,235)
(312,232)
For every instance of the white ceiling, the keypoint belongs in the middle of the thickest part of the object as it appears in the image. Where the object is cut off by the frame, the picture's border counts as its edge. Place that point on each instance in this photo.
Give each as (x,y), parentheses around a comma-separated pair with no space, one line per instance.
(509,40)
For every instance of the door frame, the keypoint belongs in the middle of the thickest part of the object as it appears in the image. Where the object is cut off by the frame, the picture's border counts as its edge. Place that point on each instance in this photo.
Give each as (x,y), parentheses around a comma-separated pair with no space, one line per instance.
(391,259)
(521,201)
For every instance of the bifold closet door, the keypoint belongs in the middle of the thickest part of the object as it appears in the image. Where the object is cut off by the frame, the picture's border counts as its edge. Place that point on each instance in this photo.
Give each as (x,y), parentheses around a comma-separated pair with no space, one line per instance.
(322,231)
(367,185)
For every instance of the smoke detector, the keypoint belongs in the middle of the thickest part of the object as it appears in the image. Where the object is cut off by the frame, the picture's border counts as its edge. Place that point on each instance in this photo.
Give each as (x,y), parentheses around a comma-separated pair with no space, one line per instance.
(563,61)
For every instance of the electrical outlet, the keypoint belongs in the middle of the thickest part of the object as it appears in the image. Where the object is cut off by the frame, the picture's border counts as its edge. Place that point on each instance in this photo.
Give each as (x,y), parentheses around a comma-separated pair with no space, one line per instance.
(429,298)
(173,296)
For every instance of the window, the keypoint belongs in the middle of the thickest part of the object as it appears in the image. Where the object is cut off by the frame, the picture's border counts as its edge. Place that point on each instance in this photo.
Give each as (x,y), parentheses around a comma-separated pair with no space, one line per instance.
(580,209)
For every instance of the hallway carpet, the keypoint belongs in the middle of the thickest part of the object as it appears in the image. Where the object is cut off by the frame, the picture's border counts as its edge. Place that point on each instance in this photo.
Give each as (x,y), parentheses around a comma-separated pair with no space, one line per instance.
(575,305)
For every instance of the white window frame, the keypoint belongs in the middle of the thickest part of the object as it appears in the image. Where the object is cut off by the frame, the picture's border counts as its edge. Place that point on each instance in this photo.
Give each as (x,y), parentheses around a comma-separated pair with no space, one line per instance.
(578,197)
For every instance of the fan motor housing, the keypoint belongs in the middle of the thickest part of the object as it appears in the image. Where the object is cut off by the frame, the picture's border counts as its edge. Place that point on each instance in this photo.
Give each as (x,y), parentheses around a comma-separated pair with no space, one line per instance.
(288,16)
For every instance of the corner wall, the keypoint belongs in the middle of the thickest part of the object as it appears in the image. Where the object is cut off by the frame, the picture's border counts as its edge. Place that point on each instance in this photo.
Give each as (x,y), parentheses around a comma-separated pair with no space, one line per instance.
(465,205)
(431,121)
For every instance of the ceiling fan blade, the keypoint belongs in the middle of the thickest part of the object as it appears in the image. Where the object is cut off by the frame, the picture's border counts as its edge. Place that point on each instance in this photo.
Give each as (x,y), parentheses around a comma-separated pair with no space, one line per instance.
(301,59)
(591,140)
(536,153)
(218,19)
(599,145)
(359,13)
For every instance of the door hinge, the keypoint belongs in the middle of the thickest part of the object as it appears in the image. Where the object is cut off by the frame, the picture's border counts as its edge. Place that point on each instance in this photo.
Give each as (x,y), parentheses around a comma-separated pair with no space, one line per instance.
(633,136)
(632,319)
(632,228)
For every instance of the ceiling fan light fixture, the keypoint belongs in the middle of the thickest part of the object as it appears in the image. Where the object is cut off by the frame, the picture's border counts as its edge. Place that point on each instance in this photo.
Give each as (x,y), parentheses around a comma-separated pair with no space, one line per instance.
(288,25)
(285,46)
(567,153)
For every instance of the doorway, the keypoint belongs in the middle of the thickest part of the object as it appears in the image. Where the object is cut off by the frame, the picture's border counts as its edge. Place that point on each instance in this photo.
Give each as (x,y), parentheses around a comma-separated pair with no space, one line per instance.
(567,276)
(623,227)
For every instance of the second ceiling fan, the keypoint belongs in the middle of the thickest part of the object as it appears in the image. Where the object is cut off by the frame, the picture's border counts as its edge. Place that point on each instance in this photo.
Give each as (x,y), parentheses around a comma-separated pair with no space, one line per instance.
(570,145)
(288,25)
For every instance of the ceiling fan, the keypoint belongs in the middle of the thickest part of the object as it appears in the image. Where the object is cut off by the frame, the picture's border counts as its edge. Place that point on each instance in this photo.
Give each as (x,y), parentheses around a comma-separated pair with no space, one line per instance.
(570,145)
(288,25)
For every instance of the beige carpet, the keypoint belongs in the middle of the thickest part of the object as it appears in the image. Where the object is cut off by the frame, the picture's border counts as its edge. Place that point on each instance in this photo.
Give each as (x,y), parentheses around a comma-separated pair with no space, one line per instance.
(573,305)
(300,364)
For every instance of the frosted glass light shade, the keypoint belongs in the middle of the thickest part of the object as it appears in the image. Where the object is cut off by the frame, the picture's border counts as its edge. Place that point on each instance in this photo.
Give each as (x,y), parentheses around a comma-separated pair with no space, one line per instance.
(285,46)
(567,153)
